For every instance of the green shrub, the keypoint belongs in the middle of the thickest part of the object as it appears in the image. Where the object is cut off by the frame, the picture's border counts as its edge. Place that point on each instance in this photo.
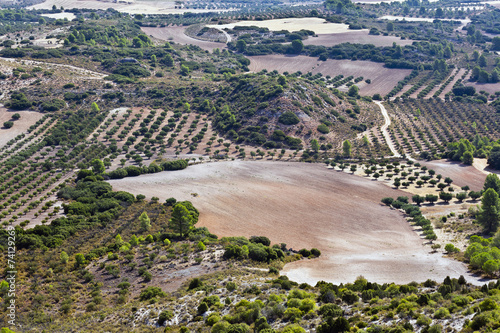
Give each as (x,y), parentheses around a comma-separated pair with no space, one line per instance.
(322,128)
(288,118)
(165,315)
(151,292)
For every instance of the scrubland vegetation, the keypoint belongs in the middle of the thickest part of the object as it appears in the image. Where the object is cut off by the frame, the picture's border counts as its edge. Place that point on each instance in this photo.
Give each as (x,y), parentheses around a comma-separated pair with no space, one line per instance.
(96,98)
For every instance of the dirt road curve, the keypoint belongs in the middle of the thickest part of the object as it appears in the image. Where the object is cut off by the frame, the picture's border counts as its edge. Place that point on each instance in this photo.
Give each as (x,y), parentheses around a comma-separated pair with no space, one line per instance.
(384,129)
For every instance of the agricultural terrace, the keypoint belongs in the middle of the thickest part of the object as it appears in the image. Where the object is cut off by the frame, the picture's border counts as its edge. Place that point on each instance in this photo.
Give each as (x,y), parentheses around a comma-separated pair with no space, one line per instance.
(382,79)
(427,126)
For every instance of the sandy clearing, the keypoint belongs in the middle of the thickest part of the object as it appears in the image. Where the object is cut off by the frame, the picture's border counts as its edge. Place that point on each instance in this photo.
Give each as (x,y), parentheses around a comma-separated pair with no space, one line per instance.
(28,118)
(481,164)
(461,174)
(69,16)
(176,34)
(382,79)
(305,205)
(355,36)
(319,26)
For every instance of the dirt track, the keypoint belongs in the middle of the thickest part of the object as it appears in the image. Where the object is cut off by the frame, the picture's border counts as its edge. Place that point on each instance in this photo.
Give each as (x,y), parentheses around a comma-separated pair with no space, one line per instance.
(305,206)
(176,34)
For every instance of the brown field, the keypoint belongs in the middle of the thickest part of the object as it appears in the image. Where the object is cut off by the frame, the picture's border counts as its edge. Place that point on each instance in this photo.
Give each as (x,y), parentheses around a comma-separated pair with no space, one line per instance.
(488,87)
(176,34)
(461,174)
(383,79)
(28,118)
(305,206)
(355,36)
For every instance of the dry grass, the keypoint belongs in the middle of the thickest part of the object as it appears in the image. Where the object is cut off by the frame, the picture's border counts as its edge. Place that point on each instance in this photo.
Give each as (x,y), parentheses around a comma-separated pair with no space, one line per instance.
(355,36)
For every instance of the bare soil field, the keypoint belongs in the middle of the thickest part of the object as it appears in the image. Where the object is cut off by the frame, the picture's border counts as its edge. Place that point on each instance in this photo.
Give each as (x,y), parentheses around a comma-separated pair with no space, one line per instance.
(355,36)
(488,87)
(126,6)
(461,174)
(382,79)
(176,34)
(305,206)
(318,25)
(28,118)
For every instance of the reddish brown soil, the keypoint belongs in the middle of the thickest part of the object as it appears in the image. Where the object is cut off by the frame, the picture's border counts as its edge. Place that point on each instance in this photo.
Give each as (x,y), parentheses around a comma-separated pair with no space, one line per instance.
(28,118)
(176,34)
(305,206)
(382,79)
(361,37)
(461,174)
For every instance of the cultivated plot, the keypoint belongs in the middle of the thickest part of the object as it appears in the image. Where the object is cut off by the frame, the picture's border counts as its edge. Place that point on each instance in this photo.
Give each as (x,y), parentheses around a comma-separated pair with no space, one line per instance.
(382,79)
(305,206)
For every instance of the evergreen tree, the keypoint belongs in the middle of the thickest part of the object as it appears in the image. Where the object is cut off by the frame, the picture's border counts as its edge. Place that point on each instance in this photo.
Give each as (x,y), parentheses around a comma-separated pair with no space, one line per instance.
(181,220)
(489,217)
(492,181)
(145,221)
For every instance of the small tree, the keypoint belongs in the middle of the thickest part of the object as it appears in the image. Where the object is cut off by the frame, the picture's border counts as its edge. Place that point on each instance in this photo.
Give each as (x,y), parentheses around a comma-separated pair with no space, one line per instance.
(461,196)
(95,107)
(346,148)
(64,257)
(492,181)
(181,220)
(98,166)
(445,196)
(489,216)
(418,199)
(145,221)
(80,260)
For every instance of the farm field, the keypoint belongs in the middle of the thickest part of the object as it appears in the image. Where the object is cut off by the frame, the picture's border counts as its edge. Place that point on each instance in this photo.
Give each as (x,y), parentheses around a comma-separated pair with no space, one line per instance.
(28,118)
(428,125)
(177,34)
(382,79)
(277,199)
(490,88)
(129,6)
(319,26)
(355,36)
(461,174)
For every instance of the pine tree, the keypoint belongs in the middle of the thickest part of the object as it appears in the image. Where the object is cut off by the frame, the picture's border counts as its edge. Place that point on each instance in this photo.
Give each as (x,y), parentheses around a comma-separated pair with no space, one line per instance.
(181,220)
(145,221)
(489,217)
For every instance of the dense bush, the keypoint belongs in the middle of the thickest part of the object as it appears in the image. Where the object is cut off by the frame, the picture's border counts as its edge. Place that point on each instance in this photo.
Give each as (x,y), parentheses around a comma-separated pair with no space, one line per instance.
(132,171)
(288,118)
